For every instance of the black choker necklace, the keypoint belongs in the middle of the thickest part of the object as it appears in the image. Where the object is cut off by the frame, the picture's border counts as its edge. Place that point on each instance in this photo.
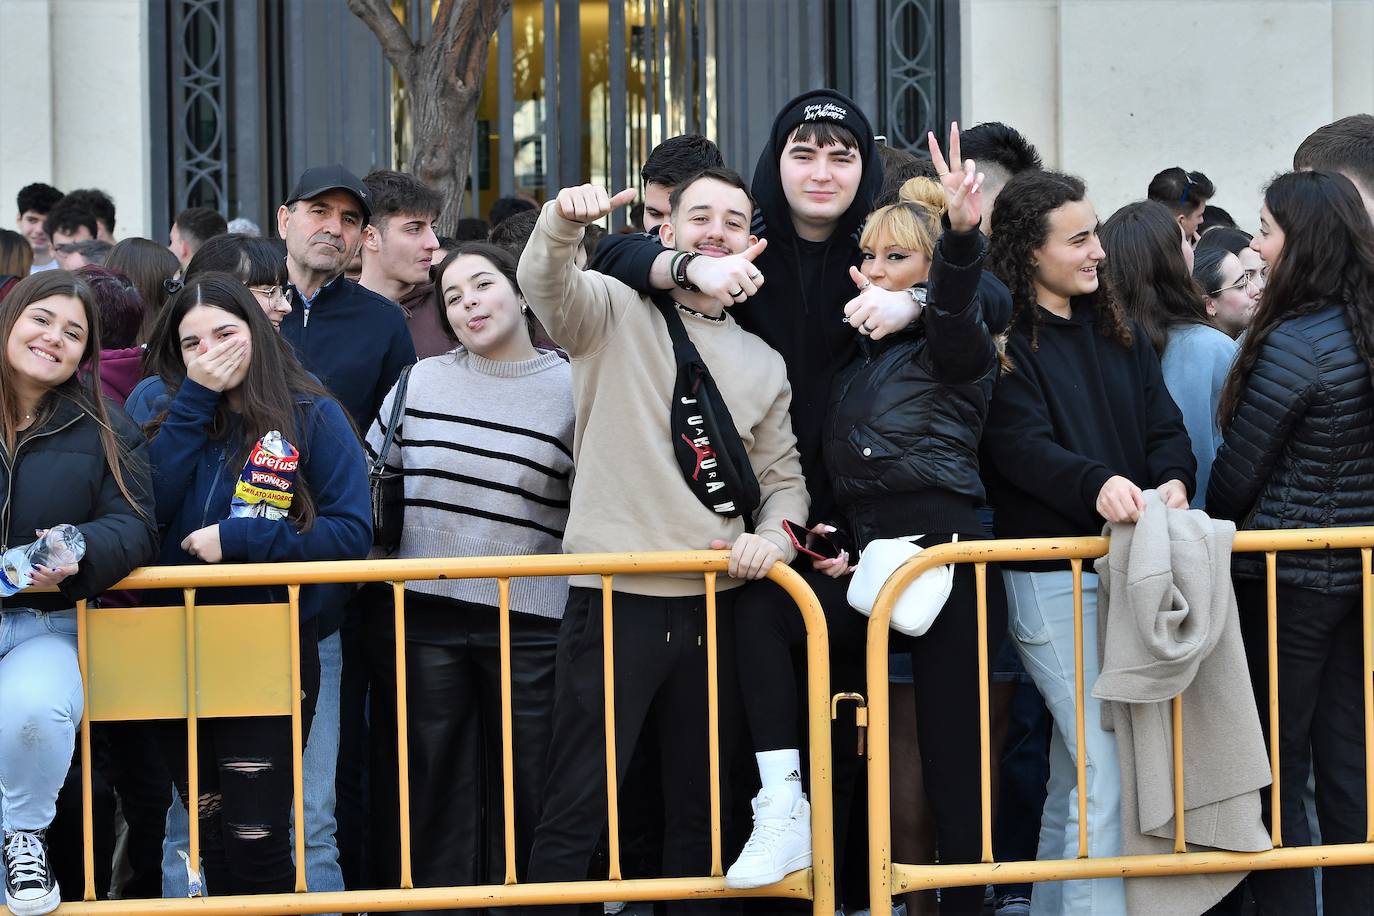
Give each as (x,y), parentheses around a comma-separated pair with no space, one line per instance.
(691,311)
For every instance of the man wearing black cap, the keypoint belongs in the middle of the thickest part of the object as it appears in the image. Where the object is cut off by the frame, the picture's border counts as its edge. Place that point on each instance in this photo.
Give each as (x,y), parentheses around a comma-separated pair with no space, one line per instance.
(356,342)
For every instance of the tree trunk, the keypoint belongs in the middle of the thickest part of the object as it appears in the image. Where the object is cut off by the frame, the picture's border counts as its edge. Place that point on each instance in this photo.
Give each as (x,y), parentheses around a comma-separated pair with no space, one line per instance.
(444,76)
(442,121)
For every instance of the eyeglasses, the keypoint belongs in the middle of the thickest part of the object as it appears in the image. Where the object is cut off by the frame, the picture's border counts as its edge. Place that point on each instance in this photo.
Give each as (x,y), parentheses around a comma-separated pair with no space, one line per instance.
(270,293)
(1246,280)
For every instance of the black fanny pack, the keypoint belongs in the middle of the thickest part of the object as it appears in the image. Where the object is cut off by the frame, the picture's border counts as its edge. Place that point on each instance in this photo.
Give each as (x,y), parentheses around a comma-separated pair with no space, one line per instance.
(707,446)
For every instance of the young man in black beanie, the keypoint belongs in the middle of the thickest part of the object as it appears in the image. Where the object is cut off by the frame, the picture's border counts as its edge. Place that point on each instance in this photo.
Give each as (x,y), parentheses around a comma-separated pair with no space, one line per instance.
(814,184)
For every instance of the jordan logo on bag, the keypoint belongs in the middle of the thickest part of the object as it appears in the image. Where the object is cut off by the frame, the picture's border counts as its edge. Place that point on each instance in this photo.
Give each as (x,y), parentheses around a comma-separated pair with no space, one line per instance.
(706,456)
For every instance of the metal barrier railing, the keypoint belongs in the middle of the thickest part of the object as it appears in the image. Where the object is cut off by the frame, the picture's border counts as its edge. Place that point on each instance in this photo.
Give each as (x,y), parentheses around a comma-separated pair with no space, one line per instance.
(887,878)
(199,661)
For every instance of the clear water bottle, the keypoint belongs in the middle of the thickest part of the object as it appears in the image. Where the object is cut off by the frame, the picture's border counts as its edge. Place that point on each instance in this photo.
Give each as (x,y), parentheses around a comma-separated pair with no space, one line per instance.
(61,545)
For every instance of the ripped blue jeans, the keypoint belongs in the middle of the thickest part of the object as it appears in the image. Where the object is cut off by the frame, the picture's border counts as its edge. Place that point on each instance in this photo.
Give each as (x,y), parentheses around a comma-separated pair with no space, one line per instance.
(245,790)
(41,705)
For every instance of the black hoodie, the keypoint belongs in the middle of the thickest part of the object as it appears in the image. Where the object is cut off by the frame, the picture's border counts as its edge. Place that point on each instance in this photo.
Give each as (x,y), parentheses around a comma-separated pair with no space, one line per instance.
(800,310)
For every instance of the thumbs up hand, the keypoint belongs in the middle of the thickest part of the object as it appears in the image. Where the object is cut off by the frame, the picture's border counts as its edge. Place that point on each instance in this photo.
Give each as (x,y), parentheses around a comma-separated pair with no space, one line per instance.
(588,203)
(876,312)
(729,280)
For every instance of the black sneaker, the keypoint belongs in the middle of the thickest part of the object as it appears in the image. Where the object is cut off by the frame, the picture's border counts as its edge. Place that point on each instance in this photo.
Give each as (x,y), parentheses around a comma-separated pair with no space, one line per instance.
(29,883)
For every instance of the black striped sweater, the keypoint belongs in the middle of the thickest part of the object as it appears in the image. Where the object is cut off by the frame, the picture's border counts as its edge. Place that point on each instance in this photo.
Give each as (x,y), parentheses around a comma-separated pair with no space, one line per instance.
(486,449)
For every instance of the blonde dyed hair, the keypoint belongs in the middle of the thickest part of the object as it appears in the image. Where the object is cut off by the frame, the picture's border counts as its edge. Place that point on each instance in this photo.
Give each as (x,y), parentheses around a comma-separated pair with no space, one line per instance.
(912,223)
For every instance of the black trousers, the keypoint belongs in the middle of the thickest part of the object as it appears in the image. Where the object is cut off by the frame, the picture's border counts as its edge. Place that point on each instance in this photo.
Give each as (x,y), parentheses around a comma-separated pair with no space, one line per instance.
(771,636)
(245,789)
(66,854)
(453,701)
(660,665)
(1321,720)
(944,666)
(138,772)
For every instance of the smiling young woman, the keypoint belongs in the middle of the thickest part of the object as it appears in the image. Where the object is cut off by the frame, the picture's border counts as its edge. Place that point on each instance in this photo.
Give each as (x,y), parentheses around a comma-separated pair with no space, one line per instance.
(485,442)
(1081,423)
(1296,453)
(63,459)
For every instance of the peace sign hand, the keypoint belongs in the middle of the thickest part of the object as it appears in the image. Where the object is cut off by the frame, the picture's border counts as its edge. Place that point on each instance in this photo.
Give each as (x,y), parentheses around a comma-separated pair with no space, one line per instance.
(963,187)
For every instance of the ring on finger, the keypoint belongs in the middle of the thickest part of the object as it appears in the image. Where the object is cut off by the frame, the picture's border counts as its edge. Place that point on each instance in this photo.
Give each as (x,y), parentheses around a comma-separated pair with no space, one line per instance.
(867,329)
(737,292)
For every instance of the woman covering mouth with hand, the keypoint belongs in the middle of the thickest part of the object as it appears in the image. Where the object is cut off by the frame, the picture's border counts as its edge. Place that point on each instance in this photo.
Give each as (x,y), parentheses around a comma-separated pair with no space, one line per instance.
(230,381)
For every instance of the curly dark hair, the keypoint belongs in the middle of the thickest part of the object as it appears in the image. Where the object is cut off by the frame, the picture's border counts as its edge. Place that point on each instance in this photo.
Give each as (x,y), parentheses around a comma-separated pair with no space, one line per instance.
(1020,227)
(1327,257)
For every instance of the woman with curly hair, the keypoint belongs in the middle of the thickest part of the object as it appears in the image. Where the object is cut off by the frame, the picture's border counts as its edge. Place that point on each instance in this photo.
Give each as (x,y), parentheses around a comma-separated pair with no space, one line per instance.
(1297,453)
(1079,425)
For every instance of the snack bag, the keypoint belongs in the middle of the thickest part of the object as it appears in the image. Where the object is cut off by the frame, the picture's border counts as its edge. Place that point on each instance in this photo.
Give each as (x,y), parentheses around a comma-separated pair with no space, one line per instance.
(264,489)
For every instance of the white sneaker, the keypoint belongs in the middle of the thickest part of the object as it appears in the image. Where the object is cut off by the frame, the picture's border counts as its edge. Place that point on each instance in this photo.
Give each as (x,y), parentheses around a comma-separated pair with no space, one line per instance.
(780,843)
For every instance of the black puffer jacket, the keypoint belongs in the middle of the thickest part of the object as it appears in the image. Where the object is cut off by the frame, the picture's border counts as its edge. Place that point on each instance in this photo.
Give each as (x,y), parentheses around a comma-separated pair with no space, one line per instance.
(1299,452)
(58,474)
(906,415)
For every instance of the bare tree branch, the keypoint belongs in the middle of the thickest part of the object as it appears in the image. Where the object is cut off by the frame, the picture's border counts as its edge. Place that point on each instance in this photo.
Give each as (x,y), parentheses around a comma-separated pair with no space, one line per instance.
(444,20)
(467,36)
(443,77)
(396,44)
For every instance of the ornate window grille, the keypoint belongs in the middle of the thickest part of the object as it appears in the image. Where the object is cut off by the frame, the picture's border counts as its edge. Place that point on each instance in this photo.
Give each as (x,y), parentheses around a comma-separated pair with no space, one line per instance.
(198,132)
(916,71)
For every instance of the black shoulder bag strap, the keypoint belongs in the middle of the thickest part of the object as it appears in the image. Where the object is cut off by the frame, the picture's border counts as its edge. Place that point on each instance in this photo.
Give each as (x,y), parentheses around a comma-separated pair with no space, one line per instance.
(398,410)
(707,446)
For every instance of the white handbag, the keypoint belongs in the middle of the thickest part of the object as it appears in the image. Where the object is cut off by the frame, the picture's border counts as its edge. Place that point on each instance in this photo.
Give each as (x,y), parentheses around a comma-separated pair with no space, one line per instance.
(919,604)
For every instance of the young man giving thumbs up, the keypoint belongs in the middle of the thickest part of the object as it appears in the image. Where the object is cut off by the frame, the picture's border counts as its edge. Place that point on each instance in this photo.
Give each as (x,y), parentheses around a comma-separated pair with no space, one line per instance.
(683,441)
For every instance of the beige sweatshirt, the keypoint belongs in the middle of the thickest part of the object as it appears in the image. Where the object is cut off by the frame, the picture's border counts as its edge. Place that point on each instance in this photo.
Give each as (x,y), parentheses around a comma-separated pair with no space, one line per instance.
(628,493)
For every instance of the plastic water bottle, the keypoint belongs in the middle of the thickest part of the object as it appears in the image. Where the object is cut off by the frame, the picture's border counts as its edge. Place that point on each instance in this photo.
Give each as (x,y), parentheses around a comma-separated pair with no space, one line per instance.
(61,545)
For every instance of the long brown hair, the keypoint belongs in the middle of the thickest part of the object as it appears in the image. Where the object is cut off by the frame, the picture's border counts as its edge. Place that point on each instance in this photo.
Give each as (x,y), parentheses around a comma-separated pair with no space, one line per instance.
(16,257)
(1327,258)
(81,390)
(1146,272)
(276,391)
(1021,226)
(150,267)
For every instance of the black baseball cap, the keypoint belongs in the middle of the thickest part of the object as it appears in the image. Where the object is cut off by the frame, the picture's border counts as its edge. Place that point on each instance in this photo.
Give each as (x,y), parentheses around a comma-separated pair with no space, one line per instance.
(315,181)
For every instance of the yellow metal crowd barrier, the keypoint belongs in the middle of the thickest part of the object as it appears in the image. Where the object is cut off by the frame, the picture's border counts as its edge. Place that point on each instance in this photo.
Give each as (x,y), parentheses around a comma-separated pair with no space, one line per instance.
(887,878)
(203,661)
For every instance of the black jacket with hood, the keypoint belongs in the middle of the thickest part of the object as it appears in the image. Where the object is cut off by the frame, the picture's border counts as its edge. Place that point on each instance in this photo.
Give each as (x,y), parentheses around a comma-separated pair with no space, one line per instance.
(58,474)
